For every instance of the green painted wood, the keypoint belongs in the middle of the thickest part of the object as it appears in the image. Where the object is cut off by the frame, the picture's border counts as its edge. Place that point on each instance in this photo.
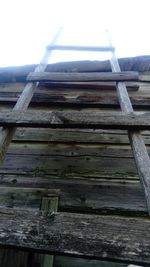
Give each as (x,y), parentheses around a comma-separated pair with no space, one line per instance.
(11,258)
(75,262)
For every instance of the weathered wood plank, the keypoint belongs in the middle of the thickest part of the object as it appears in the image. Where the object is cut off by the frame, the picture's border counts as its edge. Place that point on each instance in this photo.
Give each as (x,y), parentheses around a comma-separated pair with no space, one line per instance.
(117,238)
(76,100)
(63,160)
(76,136)
(76,195)
(49,205)
(71,150)
(69,157)
(59,119)
(76,77)
(93,87)
(70,160)
(24,197)
(73,97)
(70,167)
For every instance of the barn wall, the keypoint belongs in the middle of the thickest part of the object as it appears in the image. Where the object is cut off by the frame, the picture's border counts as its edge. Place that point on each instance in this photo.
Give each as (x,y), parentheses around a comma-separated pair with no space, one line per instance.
(94,169)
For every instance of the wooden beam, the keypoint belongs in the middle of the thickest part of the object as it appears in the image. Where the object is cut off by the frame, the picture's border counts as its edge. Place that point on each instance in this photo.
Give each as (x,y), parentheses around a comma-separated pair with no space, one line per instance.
(76,77)
(73,119)
(49,205)
(99,237)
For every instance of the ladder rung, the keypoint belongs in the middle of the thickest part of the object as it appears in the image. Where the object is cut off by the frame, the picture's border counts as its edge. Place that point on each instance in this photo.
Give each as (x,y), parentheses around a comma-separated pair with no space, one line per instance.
(75,119)
(82,48)
(82,77)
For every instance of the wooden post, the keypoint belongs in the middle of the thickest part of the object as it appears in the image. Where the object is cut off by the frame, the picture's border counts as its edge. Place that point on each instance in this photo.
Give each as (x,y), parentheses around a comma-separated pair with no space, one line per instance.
(49,204)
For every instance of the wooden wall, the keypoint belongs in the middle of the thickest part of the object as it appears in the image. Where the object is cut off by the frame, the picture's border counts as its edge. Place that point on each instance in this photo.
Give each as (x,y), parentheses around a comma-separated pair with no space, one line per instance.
(94,169)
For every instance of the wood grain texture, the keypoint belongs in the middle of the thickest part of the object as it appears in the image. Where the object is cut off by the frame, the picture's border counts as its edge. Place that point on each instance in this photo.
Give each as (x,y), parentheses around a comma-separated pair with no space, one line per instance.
(76,195)
(49,204)
(76,136)
(75,101)
(70,167)
(117,238)
(73,97)
(75,119)
(76,77)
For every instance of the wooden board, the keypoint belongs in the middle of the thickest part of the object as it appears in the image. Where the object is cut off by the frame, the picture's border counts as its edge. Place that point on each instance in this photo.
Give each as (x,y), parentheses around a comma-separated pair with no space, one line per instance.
(117,238)
(76,195)
(76,77)
(72,97)
(70,160)
(75,119)
(73,166)
(24,197)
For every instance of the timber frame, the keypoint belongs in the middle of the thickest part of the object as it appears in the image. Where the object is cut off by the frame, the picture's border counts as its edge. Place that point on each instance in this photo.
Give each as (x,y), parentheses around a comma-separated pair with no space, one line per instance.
(67,186)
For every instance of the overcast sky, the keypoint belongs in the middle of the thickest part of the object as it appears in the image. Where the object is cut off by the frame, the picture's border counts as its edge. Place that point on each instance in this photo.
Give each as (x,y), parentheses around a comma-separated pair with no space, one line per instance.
(27,26)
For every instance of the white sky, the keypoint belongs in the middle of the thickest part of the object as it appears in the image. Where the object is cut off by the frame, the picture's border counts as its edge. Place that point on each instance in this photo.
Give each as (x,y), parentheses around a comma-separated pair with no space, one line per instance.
(27,26)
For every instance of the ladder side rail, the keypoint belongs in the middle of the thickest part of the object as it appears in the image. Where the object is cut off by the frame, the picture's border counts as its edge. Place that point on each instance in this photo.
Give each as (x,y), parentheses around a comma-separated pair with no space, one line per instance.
(140,153)
(6,134)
